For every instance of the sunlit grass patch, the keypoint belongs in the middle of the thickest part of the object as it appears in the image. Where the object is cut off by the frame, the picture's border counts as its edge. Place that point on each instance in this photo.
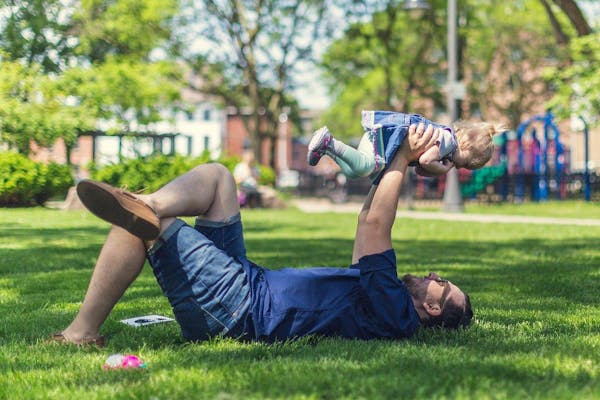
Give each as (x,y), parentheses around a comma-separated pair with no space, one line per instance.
(534,289)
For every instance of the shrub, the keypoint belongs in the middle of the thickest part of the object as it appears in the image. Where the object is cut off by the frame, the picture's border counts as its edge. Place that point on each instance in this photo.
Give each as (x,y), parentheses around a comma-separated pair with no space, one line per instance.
(59,178)
(24,182)
(148,174)
(144,174)
(267,175)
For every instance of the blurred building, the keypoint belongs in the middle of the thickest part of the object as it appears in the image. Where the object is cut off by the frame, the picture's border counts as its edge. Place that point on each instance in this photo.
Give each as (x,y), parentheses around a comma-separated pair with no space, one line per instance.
(202,126)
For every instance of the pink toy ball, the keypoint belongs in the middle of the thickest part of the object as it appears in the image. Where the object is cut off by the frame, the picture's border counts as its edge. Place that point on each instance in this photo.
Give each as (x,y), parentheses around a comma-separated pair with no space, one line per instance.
(123,361)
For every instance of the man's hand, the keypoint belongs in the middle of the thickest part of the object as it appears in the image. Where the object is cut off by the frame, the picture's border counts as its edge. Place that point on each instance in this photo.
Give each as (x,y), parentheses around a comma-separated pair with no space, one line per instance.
(418,140)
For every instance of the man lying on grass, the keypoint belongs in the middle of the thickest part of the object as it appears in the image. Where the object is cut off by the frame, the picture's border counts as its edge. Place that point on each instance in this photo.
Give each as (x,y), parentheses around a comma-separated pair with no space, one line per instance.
(215,290)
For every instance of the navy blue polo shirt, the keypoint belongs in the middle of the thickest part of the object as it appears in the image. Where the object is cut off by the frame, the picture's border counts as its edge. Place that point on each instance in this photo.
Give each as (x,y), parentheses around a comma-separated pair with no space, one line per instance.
(365,301)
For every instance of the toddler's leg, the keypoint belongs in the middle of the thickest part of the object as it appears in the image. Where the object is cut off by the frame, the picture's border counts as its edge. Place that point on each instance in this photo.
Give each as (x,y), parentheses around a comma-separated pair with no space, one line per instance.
(323,142)
(346,168)
(372,146)
(354,163)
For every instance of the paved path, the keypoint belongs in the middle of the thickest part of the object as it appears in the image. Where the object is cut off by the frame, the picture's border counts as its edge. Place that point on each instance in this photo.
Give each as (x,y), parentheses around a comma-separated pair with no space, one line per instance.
(323,205)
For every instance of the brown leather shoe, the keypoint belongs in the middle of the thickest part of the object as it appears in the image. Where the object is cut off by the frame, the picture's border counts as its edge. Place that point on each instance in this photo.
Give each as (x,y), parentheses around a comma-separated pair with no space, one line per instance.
(119,207)
(60,338)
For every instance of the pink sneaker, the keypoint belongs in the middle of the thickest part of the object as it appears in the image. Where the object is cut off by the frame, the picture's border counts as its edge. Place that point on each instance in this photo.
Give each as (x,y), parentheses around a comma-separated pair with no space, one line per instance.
(318,145)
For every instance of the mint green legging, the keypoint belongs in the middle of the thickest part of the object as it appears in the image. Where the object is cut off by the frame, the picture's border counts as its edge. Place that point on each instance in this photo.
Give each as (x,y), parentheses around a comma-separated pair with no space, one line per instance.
(356,163)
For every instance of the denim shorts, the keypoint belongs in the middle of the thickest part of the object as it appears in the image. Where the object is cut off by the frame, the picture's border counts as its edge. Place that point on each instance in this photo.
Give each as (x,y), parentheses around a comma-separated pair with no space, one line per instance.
(200,271)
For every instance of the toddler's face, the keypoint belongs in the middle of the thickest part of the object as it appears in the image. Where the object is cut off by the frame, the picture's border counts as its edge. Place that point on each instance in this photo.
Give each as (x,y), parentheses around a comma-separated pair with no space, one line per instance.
(460,158)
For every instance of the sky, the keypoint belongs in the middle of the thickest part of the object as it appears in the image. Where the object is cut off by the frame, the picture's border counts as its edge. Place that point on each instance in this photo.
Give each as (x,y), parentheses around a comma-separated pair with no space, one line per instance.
(311,94)
(592,10)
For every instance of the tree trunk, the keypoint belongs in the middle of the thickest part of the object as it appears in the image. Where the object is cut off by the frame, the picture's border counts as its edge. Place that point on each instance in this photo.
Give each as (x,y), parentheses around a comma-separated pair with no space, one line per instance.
(273,151)
(575,15)
(68,149)
(255,136)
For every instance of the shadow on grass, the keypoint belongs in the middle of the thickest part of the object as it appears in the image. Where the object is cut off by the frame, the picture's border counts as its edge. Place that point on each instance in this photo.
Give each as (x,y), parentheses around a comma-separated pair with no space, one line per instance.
(538,276)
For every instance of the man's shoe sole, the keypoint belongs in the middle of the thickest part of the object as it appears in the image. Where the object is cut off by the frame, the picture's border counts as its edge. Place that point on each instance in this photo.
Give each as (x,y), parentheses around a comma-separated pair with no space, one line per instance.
(120,208)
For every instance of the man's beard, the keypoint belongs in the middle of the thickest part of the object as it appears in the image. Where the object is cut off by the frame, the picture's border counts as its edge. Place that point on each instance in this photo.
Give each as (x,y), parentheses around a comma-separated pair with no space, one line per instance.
(413,285)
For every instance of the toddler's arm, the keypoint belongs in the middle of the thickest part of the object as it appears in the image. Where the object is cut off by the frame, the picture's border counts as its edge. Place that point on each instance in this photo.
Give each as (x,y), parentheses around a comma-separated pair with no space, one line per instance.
(430,164)
(437,168)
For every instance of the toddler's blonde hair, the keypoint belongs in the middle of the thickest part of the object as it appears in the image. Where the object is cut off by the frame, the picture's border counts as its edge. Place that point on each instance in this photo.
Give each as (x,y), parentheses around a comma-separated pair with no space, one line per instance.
(476,140)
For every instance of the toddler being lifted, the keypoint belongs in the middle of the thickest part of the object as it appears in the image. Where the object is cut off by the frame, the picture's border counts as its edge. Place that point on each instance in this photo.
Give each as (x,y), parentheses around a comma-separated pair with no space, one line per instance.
(466,145)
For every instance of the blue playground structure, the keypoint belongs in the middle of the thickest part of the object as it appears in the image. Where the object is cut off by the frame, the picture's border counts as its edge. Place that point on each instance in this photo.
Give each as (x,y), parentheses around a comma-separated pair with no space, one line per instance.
(533,161)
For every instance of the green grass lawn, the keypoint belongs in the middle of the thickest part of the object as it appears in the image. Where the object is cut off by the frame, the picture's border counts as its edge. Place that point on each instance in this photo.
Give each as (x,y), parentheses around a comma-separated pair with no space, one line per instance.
(534,290)
(562,209)
(552,208)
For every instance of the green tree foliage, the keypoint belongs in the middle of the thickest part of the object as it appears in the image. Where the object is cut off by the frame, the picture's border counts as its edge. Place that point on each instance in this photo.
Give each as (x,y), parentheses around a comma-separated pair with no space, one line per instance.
(36,32)
(20,119)
(34,48)
(504,58)
(129,94)
(385,60)
(66,66)
(124,28)
(571,11)
(31,109)
(577,86)
(388,60)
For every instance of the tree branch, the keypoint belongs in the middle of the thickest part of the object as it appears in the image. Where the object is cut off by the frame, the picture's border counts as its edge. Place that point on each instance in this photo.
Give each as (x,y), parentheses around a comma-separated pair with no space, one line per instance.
(575,15)
(561,37)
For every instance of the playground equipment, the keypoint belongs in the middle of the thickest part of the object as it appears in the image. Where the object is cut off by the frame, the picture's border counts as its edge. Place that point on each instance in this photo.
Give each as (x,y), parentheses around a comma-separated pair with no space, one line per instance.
(537,161)
(481,178)
(586,175)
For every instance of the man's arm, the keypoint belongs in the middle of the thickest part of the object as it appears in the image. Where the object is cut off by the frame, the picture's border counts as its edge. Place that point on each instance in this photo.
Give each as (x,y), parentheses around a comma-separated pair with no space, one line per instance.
(375,221)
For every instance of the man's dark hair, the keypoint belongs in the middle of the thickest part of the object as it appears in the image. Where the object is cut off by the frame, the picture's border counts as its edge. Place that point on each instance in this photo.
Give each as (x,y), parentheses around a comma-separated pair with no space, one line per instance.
(452,316)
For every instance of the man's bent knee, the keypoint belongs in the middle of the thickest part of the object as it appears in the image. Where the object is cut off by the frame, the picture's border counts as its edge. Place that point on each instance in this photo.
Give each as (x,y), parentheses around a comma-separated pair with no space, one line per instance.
(225,203)
(215,169)
(222,175)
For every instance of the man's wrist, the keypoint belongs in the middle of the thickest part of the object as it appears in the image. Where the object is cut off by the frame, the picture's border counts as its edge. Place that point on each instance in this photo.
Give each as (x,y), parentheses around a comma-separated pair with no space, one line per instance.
(400,161)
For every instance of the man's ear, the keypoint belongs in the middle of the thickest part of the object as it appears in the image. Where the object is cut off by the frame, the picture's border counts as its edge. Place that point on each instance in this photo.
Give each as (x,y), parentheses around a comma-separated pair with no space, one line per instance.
(432,309)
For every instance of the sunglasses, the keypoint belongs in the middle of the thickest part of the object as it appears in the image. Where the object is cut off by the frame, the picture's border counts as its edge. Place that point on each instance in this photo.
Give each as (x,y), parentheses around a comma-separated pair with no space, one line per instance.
(445,284)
